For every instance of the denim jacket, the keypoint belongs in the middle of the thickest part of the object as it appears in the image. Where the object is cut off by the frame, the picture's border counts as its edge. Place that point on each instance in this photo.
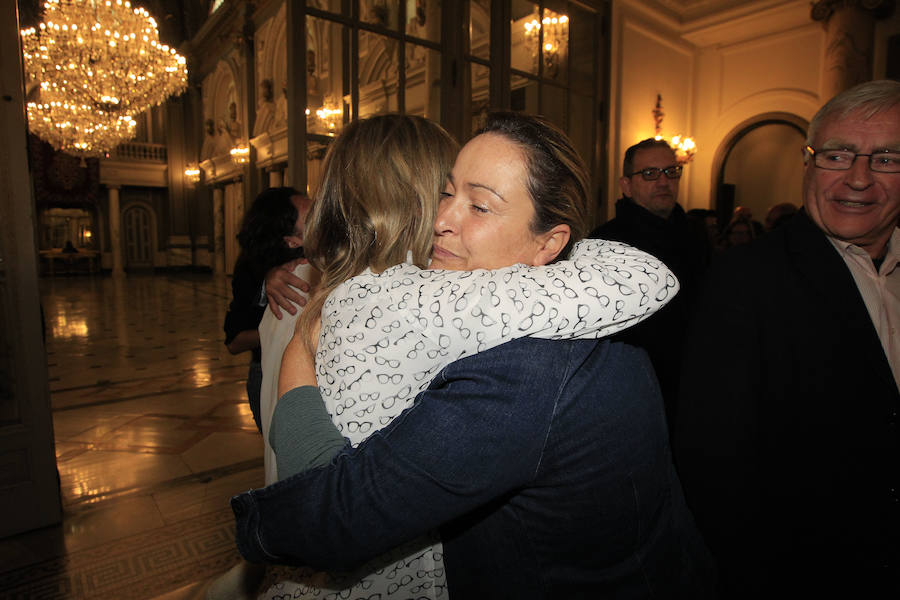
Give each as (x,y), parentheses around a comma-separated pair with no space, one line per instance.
(545,465)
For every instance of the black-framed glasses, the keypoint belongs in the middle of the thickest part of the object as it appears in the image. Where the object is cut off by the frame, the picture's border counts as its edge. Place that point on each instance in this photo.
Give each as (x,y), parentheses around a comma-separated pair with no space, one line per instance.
(885,161)
(653,173)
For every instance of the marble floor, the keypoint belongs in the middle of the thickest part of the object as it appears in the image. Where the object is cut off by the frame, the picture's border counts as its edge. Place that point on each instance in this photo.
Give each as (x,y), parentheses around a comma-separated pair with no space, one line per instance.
(153,435)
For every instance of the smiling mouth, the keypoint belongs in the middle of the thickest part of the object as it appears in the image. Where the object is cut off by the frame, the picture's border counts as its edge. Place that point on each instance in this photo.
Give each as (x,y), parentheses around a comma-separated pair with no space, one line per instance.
(853,204)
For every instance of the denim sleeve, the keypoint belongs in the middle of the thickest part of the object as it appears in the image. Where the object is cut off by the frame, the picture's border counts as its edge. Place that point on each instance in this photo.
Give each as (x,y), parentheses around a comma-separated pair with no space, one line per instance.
(477,433)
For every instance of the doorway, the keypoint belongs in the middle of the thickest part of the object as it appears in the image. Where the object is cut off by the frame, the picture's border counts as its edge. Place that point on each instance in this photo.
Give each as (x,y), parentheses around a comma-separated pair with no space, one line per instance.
(762,167)
(138,231)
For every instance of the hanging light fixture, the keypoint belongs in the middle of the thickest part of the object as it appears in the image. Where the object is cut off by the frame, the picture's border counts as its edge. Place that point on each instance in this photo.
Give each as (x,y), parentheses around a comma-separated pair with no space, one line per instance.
(240,155)
(98,63)
(684,147)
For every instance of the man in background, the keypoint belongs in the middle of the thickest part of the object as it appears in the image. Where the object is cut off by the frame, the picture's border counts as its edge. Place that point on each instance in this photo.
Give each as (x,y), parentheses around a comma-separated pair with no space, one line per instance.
(649,217)
(787,440)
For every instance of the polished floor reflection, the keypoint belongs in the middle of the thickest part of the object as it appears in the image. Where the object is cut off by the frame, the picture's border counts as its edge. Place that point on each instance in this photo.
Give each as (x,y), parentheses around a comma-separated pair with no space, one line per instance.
(153,435)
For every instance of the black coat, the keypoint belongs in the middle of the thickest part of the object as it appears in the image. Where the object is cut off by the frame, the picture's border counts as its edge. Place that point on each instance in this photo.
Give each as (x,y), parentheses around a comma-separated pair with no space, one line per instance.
(685,249)
(787,439)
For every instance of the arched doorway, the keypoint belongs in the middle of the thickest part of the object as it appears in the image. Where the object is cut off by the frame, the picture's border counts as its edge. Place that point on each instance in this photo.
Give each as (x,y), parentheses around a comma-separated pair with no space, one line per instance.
(137,227)
(761,166)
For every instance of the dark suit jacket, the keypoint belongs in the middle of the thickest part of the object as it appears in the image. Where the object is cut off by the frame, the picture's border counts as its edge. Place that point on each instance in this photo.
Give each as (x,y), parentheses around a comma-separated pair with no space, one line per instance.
(685,250)
(787,439)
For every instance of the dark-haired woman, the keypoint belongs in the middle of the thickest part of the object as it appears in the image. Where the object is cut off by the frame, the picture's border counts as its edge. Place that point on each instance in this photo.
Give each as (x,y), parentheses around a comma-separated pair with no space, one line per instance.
(271,234)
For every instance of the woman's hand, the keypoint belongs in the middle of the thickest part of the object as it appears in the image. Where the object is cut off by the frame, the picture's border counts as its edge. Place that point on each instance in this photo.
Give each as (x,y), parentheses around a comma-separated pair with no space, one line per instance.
(298,366)
(282,286)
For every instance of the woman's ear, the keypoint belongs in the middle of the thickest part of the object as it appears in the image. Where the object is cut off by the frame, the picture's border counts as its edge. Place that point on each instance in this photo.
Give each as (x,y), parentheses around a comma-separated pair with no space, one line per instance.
(551,243)
(293,241)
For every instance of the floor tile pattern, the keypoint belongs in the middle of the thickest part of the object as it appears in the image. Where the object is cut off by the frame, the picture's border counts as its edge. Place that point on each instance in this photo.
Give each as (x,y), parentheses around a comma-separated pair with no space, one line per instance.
(153,435)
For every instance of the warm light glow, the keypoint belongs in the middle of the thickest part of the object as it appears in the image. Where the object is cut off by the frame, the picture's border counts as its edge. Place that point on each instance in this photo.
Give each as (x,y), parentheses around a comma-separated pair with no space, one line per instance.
(685,148)
(240,155)
(326,119)
(97,66)
(192,173)
(66,327)
(555,33)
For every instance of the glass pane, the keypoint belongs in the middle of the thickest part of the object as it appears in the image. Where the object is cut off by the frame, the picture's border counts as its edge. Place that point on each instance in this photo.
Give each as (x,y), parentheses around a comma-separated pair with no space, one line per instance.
(423,82)
(315,155)
(553,105)
(581,131)
(423,19)
(481,96)
(525,29)
(480,28)
(555,45)
(385,13)
(523,94)
(325,51)
(582,40)
(378,74)
(333,6)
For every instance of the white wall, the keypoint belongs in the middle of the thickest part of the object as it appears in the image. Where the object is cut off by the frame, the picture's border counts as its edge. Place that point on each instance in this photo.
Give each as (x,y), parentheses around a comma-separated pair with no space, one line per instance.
(766,168)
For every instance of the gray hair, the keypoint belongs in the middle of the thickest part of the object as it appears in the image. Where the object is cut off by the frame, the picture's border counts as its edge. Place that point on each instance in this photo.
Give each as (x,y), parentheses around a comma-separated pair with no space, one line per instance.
(868,98)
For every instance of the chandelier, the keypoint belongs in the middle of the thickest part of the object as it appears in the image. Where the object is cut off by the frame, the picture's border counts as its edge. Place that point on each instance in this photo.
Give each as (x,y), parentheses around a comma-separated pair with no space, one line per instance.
(555,29)
(97,63)
(684,147)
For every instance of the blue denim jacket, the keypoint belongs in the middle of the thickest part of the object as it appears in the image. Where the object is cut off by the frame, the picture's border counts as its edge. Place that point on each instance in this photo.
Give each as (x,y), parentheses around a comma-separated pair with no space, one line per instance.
(544,464)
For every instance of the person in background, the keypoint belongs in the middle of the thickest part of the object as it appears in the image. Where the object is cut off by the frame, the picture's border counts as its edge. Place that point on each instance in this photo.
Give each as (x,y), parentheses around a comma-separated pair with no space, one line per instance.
(649,217)
(271,234)
(745,214)
(738,232)
(787,438)
(778,215)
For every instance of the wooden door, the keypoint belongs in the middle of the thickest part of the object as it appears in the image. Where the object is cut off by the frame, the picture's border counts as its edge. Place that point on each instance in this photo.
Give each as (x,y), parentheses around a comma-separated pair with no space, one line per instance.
(137,225)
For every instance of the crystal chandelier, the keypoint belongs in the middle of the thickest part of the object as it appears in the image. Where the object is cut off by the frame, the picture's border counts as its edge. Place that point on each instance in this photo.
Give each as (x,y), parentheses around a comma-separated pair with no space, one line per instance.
(97,63)
(555,29)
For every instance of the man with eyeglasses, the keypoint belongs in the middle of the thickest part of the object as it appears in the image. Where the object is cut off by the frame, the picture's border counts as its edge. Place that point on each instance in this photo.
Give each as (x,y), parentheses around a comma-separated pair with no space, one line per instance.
(787,440)
(649,217)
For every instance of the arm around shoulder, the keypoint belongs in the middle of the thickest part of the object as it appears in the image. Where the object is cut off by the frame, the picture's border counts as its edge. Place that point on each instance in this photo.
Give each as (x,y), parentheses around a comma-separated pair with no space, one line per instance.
(468,439)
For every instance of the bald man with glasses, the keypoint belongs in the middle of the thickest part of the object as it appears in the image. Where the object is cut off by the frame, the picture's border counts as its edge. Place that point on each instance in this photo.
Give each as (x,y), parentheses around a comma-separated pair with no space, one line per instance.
(649,217)
(787,440)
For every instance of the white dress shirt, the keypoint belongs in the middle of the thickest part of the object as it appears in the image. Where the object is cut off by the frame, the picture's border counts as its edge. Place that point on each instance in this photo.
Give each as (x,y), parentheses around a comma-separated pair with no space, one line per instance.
(880,291)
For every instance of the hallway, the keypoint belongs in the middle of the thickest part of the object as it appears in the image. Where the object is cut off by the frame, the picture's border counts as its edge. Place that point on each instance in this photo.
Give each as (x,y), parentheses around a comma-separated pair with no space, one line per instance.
(153,435)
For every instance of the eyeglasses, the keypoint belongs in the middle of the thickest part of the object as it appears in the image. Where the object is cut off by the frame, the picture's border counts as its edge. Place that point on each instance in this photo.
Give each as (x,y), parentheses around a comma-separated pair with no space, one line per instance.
(842,160)
(653,173)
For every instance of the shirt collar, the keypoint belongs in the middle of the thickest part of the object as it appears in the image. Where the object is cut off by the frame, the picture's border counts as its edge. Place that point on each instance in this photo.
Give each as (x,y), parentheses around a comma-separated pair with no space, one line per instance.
(891,257)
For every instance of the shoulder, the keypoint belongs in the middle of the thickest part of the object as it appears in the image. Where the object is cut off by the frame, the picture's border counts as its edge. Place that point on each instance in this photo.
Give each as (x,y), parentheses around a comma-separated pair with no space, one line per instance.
(533,363)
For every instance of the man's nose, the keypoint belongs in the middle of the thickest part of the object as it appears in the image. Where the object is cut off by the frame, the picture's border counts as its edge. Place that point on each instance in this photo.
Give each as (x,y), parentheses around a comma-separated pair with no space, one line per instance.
(859,175)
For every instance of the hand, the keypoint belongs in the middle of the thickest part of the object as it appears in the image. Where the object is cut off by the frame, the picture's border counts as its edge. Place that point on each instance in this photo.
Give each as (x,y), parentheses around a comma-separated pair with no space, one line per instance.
(298,367)
(282,286)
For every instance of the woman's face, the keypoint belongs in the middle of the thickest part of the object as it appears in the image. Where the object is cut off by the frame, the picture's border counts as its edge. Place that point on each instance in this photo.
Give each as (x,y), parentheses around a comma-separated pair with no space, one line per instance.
(485,212)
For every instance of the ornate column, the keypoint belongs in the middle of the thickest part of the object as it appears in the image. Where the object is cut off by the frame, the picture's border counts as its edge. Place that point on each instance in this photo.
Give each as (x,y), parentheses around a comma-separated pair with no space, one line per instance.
(115,231)
(849,38)
(218,230)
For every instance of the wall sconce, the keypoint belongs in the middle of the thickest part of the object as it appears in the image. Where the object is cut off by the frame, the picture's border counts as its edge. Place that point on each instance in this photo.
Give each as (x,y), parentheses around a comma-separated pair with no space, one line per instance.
(192,174)
(684,147)
(240,155)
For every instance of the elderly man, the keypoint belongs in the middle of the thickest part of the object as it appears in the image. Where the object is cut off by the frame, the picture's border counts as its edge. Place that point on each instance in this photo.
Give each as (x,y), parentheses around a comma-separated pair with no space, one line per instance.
(787,441)
(649,217)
